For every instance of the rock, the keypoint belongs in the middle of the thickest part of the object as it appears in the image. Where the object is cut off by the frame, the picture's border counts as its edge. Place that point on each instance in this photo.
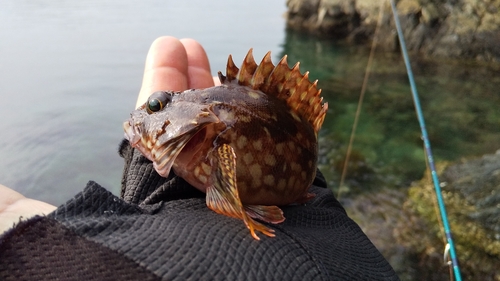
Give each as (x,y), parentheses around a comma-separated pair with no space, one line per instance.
(477,182)
(467,29)
(379,215)
(430,14)
(326,18)
(471,191)
(406,227)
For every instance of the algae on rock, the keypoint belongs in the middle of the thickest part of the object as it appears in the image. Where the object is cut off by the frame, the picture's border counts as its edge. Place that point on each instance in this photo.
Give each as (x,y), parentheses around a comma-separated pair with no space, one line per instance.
(471,191)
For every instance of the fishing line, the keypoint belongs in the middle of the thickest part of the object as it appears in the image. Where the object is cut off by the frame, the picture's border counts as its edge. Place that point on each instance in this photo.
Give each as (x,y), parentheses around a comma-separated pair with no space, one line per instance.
(427,145)
(360,101)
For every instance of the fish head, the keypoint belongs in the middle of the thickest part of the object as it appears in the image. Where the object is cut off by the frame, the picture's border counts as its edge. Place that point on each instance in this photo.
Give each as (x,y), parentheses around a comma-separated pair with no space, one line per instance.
(162,127)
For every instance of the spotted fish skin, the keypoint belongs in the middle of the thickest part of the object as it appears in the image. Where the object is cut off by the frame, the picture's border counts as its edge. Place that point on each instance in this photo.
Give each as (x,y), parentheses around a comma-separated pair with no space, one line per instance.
(250,143)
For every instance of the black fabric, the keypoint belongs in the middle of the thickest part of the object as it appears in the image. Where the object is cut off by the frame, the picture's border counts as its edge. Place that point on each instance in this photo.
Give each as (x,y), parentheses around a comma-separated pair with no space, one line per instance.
(43,249)
(142,184)
(164,226)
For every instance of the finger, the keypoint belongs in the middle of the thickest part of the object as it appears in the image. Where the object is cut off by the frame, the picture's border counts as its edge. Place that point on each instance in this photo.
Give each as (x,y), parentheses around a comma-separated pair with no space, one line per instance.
(9,197)
(216,80)
(14,206)
(166,68)
(198,71)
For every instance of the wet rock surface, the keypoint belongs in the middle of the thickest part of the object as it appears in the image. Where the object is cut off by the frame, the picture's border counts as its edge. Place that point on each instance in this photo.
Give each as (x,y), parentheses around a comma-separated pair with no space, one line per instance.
(477,182)
(406,226)
(438,28)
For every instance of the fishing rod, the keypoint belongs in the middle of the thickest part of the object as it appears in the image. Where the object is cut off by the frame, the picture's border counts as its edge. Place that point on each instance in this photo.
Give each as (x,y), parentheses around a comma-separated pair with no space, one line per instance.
(427,145)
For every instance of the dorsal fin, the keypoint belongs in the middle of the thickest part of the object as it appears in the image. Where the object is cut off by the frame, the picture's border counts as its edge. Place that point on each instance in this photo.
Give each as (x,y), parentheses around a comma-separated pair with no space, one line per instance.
(301,95)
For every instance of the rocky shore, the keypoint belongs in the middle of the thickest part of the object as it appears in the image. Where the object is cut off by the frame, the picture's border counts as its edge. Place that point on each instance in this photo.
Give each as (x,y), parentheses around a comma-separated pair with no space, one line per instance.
(465,29)
(405,224)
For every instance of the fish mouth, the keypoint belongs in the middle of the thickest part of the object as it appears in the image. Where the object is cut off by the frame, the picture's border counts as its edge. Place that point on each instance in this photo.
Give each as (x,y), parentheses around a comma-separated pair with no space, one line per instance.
(162,155)
(132,133)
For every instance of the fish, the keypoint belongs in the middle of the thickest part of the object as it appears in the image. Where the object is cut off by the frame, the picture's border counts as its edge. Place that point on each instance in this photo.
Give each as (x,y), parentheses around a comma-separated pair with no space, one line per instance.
(251,143)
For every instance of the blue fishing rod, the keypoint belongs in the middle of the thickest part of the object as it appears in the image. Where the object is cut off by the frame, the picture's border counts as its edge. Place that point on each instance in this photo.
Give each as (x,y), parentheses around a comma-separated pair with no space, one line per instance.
(427,145)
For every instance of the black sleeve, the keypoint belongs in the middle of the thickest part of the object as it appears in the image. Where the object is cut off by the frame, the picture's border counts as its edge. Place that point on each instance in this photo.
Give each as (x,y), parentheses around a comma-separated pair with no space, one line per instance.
(161,228)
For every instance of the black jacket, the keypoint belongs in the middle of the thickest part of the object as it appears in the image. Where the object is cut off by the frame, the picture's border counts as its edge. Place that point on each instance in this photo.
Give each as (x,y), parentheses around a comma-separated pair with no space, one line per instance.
(160,228)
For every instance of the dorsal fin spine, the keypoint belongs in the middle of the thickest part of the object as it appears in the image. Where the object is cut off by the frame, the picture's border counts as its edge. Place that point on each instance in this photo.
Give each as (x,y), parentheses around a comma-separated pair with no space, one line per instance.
(262,72)
(285,83)
(247,70)
(231,70)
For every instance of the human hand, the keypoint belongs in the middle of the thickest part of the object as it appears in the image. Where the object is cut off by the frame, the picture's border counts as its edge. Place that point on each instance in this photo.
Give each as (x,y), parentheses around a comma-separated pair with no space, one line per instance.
(14,206)
(175,65)
(171,64)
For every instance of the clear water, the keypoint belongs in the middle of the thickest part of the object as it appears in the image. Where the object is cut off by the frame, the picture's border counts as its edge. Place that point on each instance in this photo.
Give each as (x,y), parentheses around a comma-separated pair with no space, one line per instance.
(70,73)
(460,100)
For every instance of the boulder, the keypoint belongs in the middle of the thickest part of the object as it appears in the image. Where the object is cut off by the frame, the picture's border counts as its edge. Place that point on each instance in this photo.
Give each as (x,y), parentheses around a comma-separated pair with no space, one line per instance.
(327,18)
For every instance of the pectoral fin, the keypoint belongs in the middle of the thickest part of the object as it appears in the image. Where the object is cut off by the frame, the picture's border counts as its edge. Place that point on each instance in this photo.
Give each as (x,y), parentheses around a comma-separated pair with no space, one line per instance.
(223,196)
(271,214)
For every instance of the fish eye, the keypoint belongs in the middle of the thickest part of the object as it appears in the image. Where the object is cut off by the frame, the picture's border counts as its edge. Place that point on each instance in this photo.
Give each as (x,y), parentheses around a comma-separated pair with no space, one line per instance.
(157,101)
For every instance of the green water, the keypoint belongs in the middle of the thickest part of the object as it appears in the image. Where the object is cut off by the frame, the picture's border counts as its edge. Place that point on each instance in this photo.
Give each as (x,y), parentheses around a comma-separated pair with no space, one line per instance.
(460,101)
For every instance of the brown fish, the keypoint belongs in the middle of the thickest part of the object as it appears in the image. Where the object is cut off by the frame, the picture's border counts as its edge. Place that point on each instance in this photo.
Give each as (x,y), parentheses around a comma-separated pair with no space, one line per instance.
(250,143)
